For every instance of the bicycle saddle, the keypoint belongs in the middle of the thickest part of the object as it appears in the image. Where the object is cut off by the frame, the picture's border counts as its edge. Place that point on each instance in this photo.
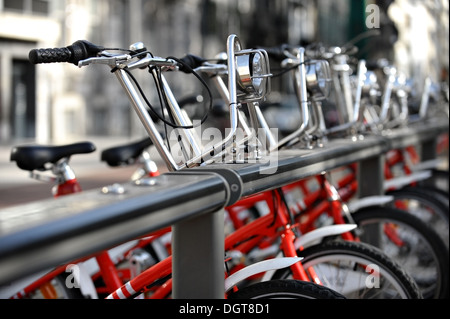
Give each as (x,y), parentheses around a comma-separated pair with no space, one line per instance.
(125,154)
(34,157)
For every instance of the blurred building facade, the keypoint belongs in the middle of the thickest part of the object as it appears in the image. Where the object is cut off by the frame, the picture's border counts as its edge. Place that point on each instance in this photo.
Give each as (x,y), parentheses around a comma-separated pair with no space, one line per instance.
(59,102)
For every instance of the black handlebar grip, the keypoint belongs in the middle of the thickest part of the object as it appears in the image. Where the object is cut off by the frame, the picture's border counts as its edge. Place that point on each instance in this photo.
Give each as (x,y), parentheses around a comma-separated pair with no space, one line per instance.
(79,50)
(372,65)
(37,56)
(377,64)
(190,61)
(277,53)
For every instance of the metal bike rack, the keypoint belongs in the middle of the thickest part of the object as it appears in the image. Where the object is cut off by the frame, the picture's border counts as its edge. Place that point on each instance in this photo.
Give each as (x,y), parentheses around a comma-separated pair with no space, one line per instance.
(40,235)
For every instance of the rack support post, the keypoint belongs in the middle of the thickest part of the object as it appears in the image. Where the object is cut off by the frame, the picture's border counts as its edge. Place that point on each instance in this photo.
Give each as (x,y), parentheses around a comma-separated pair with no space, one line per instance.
(198,257)
(371,176)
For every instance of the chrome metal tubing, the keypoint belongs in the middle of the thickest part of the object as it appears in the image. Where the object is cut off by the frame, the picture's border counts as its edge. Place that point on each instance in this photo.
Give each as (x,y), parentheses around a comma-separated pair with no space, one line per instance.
(302,95)
(146,120)
(193,144)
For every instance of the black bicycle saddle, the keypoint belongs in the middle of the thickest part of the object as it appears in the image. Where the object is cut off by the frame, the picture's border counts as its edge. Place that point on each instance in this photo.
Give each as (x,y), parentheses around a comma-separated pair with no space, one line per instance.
(125,154)
(34,157)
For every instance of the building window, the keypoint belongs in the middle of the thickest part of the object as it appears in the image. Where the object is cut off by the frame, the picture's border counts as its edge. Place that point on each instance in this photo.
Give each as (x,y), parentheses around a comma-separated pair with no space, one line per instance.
(23,107)
(27,6)
(14,4)
(40,6)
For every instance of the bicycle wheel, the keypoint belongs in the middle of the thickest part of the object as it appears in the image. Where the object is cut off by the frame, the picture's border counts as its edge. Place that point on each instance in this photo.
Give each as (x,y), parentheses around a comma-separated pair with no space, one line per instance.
(413,244)
(425,205)
(438,194)
(285,289)
(356,270)
(438,180)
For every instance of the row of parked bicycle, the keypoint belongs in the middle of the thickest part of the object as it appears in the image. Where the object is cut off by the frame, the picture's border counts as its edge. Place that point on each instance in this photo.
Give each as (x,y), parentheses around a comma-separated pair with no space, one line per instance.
(314,238)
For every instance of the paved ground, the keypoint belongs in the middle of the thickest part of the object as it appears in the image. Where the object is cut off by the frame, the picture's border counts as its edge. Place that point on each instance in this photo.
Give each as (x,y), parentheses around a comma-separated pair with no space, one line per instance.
(16,187)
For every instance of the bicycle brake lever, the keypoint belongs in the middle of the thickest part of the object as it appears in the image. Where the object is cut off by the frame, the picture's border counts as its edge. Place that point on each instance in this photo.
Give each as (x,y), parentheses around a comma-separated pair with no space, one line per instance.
(112,60)
(214,69)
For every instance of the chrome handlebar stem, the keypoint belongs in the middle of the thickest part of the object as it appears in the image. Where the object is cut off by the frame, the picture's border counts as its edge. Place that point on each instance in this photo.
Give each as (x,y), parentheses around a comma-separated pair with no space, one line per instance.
(195,155)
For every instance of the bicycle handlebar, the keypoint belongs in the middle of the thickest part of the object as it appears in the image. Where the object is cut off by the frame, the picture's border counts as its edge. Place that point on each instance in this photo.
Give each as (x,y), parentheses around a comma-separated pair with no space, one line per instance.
(83,53)
(79,50)
(83,50)
(191,61)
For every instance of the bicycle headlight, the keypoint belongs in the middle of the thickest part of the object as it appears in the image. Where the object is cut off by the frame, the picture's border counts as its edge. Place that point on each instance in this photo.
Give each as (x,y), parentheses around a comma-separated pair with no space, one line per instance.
(253,75)
(318,79)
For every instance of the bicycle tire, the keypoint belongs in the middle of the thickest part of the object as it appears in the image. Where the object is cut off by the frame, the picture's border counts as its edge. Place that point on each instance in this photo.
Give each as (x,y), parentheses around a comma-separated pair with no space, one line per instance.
(427,195)
(415,246)
(285,289)
(425,205)
(439,180)
(438,194)
(332,257)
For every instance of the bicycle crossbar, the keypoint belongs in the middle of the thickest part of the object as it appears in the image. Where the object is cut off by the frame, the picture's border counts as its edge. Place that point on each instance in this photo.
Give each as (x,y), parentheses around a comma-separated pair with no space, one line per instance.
(39,235)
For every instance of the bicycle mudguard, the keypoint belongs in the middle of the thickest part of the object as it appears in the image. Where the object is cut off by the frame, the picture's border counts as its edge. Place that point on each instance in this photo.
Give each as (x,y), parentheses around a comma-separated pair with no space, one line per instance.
(316,235)
(259,267)
(367,201)
(427,165)
(312,238)
(399,182)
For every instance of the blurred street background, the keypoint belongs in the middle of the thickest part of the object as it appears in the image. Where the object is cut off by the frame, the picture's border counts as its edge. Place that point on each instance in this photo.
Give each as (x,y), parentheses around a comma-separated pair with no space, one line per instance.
(60,103)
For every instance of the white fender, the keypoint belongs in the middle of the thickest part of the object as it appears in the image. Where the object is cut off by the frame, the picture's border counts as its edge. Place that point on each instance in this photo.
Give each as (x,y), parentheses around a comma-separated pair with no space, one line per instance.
(316,235)
(262,266)
(425,165)
(368,201)
(399,182)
